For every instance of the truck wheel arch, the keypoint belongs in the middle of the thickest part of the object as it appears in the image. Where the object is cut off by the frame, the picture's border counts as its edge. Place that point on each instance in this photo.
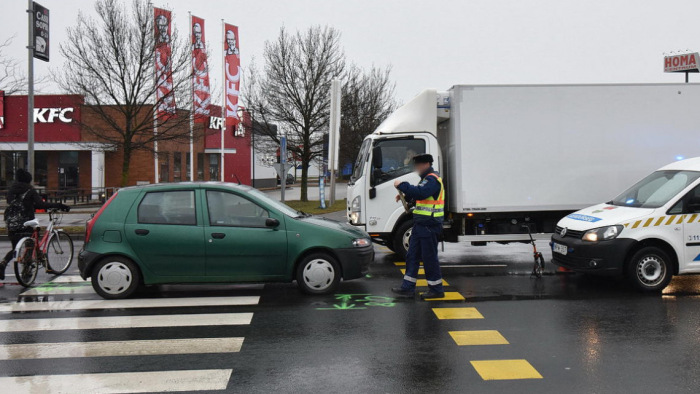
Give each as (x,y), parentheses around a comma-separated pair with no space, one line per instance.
(655,242)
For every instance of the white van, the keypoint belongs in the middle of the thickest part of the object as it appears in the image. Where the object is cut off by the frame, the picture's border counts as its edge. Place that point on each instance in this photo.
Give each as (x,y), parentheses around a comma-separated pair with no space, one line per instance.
(648,233)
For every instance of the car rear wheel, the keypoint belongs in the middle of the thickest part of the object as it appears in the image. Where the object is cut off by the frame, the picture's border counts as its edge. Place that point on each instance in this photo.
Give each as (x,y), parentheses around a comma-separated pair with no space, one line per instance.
(115,277)
(318,273)
(650,269)
(402,237)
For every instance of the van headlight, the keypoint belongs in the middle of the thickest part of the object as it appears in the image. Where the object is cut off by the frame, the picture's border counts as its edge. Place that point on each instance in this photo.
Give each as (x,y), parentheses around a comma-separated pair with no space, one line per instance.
(355,210)
(361,242)
(602,233)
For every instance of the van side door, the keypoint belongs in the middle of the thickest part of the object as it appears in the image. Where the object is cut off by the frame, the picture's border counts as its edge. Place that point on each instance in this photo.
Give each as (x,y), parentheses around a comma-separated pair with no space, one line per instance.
(689,208)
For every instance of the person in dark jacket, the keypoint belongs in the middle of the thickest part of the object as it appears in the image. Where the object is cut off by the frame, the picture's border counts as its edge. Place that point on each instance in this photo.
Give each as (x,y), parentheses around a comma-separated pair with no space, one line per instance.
(428,215)
(31,202)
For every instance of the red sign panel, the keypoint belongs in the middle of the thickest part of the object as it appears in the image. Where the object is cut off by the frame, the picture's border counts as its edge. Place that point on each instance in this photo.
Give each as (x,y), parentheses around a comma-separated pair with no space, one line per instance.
(2,109)
(232,68)
(200,72)
(682,63)
(165,98)
(56,118)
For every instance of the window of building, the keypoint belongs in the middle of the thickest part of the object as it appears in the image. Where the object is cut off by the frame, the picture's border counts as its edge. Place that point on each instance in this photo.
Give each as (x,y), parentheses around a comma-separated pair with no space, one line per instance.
(177,166)
(164,164)
(200,166)
(40,168)
(174,207)
(228,209)
(188,166)
(68,170)
(214,167)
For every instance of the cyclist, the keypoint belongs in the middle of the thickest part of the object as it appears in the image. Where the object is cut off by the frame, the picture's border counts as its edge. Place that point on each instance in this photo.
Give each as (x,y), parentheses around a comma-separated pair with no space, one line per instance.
(22,192)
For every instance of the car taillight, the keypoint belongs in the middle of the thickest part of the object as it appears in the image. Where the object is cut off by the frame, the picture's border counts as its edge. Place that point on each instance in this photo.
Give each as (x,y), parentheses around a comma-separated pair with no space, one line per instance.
(91,222)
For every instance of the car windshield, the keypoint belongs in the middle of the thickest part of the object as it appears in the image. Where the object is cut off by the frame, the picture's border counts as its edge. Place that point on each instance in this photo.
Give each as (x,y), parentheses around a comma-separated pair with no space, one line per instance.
(656,190)
(285,209)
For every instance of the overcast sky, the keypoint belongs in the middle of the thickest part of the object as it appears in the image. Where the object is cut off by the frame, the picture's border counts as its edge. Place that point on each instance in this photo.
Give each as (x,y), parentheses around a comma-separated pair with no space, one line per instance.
(437,44)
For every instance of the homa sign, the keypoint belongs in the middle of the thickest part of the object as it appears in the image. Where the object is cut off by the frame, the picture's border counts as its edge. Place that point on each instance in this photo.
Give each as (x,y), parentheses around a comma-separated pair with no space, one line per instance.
(51,115)
(687,62)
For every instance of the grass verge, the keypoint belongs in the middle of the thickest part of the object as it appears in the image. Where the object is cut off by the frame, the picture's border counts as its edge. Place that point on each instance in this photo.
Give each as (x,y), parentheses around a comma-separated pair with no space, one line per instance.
(312,207)
(68,229)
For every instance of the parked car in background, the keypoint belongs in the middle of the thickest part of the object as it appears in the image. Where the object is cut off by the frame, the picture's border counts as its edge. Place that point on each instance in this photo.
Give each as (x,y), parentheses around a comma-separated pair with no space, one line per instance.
(215,232)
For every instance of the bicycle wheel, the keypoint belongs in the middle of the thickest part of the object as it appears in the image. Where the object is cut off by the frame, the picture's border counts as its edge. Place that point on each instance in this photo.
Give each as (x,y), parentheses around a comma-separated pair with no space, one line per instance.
(59,252)
(26,267)
(538,268)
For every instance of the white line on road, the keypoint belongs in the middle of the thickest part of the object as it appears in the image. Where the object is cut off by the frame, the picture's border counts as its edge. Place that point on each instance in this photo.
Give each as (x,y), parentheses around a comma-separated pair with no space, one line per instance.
(152,347)
(473,265)
(69,279)
(104,322)
(122,382)
(129,303)
(51,290)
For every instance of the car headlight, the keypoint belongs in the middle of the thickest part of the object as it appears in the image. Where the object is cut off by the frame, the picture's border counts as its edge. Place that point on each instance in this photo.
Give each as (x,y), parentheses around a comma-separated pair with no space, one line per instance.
(361,242)
(602,233)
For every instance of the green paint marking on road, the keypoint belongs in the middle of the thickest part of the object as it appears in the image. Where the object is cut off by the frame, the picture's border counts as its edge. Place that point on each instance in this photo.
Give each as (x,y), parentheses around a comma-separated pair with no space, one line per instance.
(359,301)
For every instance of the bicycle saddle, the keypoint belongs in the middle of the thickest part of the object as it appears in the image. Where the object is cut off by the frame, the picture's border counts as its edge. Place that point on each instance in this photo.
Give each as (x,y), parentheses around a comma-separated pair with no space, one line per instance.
(32,223)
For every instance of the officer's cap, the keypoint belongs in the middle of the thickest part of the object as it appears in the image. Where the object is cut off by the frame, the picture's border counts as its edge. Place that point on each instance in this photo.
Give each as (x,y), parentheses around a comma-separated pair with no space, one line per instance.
(423,158)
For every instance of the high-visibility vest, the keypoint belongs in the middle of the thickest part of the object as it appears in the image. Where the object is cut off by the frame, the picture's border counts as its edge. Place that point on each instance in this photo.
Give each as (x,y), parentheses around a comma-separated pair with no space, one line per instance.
(430,206)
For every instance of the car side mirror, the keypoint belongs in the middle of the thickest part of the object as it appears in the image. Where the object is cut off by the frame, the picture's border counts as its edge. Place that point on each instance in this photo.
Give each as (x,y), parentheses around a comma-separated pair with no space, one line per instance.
(272,222)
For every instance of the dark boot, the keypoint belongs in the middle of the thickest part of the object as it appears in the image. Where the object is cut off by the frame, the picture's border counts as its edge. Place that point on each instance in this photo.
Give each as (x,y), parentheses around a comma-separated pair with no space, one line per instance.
(3,264)
(403,293)
(432,294)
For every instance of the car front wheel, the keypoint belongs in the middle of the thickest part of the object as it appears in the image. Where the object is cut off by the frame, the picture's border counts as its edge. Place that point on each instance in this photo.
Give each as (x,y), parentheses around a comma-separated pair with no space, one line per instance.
(318,273)
(650,269)
(115,277)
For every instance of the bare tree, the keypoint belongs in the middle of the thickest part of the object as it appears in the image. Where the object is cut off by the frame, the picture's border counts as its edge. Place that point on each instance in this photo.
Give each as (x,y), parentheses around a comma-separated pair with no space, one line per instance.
(367,99)
(110,60)
(12,79)
(292,89)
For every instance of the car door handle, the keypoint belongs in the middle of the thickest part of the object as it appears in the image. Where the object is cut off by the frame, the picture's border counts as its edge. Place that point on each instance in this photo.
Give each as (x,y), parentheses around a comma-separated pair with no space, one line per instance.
(218,235)
(141,231)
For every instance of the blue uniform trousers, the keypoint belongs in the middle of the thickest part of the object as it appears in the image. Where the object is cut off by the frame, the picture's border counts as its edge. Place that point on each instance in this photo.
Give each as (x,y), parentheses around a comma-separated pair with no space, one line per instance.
(423,245)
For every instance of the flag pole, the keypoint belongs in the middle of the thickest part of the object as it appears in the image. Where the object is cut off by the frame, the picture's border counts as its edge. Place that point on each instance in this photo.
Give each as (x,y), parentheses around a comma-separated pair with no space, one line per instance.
(155,109)
(223,104)
(191,174)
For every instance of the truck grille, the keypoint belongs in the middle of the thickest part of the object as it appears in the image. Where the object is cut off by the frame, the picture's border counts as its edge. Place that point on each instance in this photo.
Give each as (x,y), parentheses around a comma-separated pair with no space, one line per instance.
(569,232)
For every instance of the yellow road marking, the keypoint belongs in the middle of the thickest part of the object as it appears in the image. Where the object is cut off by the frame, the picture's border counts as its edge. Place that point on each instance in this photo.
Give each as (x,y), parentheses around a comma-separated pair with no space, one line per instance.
(449,296)
(478,337)
(661,219)
(424,283)
(403,264)
(670,219)
(421,271)
(636,224)
(505,369)
(648,222)
(457,313)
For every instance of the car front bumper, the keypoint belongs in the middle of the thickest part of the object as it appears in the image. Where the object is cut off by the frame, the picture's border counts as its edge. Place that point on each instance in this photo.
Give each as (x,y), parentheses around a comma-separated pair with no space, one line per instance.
(604,258)
(355,261)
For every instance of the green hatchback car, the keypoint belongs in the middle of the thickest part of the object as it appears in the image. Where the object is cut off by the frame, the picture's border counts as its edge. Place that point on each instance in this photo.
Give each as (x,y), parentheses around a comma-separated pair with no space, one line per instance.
(215,233)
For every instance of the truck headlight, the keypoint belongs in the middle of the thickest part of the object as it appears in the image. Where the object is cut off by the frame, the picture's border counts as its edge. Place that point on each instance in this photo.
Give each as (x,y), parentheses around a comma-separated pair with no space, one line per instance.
(355,210)
(602,233)
(361,242)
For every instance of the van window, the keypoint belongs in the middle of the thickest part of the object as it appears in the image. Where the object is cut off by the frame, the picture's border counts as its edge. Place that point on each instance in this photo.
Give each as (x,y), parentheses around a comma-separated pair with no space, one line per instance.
(690,203)
(656,190)
(172,207)
(396,157)
(228,209)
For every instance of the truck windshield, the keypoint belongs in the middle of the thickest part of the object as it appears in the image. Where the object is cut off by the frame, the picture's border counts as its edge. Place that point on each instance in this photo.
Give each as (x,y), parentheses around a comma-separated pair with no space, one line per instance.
(656,190)
(361,159)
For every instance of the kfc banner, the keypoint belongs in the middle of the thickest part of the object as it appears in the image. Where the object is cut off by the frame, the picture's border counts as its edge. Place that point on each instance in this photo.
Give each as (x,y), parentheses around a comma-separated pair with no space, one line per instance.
(200,72)
(232,68)
(165,98)
(2,109)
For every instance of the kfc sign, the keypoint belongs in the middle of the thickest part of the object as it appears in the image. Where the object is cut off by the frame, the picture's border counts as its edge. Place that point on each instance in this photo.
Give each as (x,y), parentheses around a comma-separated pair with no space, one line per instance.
(51,115)
(682,63)
(216,123)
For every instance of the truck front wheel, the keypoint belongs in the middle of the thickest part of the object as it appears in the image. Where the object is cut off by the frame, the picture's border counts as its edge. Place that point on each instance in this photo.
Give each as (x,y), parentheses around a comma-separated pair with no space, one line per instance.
(401,238)
(650,269)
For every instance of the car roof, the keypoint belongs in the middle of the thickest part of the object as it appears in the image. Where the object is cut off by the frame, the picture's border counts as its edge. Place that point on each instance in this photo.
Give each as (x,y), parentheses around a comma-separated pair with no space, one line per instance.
(692,164)
(180,185)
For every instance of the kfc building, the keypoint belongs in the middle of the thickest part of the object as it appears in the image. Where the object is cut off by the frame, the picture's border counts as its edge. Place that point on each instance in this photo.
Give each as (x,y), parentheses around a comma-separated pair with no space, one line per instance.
(67,158)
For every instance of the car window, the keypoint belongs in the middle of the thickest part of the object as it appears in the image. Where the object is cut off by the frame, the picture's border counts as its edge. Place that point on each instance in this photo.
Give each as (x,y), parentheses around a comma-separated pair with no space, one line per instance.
(172,207)
(690,203)
(228,209)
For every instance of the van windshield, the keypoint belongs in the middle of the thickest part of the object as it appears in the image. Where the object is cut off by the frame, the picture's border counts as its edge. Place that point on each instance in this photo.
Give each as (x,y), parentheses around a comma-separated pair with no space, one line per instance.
(656,190)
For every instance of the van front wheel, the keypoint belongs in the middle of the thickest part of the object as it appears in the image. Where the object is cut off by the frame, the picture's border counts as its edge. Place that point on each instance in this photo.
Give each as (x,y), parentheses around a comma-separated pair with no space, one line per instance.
(650,269)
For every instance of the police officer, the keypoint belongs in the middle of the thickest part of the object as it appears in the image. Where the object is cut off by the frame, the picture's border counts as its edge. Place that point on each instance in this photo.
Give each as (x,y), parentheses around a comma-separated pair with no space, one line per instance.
(427,225)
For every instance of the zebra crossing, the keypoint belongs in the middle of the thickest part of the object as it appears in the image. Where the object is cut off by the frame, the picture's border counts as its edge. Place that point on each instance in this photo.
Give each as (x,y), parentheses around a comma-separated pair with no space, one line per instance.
(87,330)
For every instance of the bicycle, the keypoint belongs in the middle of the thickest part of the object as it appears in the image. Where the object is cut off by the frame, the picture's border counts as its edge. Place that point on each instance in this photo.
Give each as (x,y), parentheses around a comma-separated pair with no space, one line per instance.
(538,267)
(54,251)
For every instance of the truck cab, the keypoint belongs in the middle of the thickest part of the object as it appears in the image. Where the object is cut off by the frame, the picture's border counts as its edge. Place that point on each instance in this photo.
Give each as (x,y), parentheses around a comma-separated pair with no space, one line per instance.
(648,233)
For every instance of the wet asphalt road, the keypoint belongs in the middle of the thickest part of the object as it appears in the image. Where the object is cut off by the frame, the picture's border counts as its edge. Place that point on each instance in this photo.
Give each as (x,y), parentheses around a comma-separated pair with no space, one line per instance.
(568,333)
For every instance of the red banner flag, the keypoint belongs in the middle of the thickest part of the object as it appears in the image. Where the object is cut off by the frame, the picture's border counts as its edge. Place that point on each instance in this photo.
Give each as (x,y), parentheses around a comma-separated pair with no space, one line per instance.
(2,109)
(200,72)
(165,97)
(232,68)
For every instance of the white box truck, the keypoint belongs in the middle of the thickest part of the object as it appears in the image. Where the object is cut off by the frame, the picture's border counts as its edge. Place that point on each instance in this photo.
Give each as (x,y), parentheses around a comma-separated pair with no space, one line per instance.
(524,155)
